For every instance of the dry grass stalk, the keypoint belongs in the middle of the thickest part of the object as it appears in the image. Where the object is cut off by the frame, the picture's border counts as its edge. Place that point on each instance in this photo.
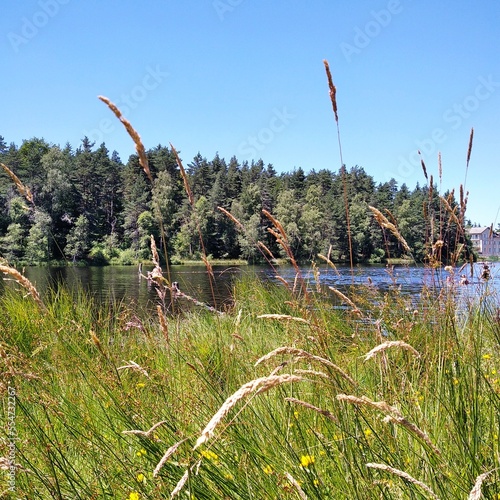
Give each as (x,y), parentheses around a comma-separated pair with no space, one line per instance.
(208,265)
(281,317)
(184,176)
(163,323)
(387,345)
(312,372)
(299,353)
(296,485)
(325,413)
(451,211)
(154,252)
(440,168)
(276,223)
(393,416)
(256,386)
(25,283)
(23,190)
(475,493)
(139,146)
(329,262)
(384,222)
(404,475)
(232,217)
(333,90)
(134,366)
(423,166)
(469,149)
(283,280)
(346,300)
(167,454)
(180,484)
(147,433)
(266,250)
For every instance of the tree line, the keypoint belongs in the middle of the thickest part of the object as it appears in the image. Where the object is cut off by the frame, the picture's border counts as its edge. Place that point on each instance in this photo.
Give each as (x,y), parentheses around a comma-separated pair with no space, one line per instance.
(90,206)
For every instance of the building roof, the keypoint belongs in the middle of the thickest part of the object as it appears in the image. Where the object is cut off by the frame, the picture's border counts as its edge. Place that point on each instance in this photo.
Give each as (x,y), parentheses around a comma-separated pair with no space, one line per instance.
(477,230)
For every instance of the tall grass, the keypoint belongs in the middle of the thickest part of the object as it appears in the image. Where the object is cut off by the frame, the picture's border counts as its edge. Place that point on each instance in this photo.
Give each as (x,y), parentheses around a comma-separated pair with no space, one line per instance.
(363,408)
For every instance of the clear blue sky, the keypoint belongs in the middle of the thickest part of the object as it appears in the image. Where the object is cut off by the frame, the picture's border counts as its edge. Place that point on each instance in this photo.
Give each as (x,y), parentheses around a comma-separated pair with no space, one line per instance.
(246,78)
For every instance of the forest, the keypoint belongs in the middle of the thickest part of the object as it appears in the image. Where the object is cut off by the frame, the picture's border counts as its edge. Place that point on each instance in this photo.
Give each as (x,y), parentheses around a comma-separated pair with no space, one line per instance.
(90,207)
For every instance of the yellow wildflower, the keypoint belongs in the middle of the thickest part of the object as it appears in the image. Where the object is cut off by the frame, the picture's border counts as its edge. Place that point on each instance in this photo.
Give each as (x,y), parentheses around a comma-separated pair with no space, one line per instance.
(306,460)
(368,432)
(210,455)
(134,496)
(141,452)
(140,385)
(268,470)
(486,356)
(141,478)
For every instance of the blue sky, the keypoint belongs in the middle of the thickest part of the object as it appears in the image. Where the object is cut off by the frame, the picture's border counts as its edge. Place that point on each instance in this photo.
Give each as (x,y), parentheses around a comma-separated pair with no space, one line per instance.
(246,78)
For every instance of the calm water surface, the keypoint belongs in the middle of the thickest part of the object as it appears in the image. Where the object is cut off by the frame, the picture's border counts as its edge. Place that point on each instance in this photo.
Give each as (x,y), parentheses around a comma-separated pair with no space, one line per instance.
(122,283)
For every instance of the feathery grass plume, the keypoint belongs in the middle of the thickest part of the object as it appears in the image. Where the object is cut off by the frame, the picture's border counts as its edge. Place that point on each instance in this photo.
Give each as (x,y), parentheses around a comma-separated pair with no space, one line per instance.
(451,211)
(393,416)
(167,454)
(384,222)
(469,151)
(423,165)
(25,283)
(440,168)
(283,280)
(285,317)
(332,88)
(134,366)
(232,217)
(299,353)
(296,485)
(180,484)
(256,386)
(391,343)
(163,323)
(329,262)
(312,372)
(347,301)
(154,252)
(139,146)
(406,476)
(475,493)
(276,223)
(184,176)
(305,404)
(23,190)
(333,99)
(266,250)
(147,433)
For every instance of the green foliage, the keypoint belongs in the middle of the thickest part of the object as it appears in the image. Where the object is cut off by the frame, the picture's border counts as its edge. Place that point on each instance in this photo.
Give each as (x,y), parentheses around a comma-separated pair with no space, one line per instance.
(122,208)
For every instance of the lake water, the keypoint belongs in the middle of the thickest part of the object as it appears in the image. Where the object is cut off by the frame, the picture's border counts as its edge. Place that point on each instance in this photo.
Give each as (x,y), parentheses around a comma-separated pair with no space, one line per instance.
(122,283)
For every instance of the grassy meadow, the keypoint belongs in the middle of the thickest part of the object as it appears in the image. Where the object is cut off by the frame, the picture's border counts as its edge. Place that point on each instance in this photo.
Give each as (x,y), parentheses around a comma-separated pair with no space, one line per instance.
(284,396)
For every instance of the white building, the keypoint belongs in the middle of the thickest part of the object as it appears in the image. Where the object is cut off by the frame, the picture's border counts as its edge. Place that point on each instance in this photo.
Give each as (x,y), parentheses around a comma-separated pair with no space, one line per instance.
(485,241)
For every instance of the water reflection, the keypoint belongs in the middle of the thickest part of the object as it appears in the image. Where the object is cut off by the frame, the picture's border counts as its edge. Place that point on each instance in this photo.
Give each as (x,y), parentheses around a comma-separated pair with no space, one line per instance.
(123,283)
